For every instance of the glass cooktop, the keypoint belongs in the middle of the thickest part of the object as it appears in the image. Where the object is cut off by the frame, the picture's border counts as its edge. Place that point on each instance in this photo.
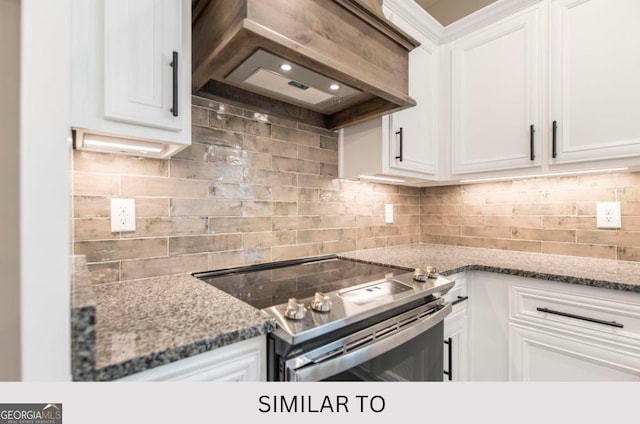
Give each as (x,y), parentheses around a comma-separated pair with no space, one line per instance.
(270,284)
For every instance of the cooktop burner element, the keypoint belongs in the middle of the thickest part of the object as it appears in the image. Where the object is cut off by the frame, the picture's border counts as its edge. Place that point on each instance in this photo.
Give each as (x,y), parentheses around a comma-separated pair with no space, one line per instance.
(313,296)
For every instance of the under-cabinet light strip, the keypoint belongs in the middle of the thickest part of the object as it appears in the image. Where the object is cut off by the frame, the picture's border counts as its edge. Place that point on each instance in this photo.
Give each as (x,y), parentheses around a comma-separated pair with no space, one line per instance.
(381,179)
(110,144)
(553,174)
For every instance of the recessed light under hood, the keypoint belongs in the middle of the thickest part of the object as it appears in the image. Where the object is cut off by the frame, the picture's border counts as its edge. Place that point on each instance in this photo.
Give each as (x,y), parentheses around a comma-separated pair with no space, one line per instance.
(327,63)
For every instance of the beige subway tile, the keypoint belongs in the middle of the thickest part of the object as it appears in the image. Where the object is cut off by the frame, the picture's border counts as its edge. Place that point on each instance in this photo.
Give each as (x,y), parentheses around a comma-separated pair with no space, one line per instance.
(295,223)
(350,233)
(322,131)
(430,238)
(308,194)
(501,186)
(441,230)
(268,239)
(486,210)
(541,184)
(118,164)
(104,272)
(257,160)
(517,245)
(91,206)
(205,207)
(609,180)
(369,221)
(586,208)
(284,194)
(610,237)
(315,208)
(486,232)
(239,124)
(268,145)
(569,222)
(164,187)
(435,220)
(265,117)
(169,226)
(544,209)
(328,143)
(200,244)
(244,191)
(92,229)
(329,170)
(113,250)
(333,247)
(216,106)
(408,229)
(189,170)
(195,152)
(445,210)
(407,219)
(404,210)
(317,181)
(630,208)
(370,243)
(401,240)
(470,221)
(463,241)
(143,268)
(527,197)
(257,208)
(199,116)
(228,224)
(385,230)
(629,253)
(631,223)
(295,165)
(318,155)
(599,194)
(227,259)
(629,238)
(269,177)
(279,253)
(313,236)
(212,136)
(585,250)
(85,183)
(544,234)
(297,136)
(500,197)
(285,208)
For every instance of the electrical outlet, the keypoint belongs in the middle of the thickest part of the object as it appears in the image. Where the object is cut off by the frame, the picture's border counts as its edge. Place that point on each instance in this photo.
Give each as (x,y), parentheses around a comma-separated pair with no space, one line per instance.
(388,213)
(608,215)
(123,215)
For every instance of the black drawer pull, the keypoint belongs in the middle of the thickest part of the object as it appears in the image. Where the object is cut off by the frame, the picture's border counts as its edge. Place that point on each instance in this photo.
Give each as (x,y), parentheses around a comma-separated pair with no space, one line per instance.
(174,65)
(449,344)
(459,299)
(399,157)
(554,145)
(565,314)
(531,141)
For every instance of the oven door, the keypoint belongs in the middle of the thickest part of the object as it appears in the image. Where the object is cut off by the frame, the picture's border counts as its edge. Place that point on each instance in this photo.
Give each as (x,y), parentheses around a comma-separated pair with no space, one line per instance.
(406,347)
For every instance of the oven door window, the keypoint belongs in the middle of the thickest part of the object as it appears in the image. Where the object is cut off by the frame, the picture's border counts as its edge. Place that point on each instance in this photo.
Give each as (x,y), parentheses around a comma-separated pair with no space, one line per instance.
(419,359)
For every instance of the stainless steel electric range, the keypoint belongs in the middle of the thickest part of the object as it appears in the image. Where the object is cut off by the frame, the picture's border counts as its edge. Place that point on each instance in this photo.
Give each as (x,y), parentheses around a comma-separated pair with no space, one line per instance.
(345,320)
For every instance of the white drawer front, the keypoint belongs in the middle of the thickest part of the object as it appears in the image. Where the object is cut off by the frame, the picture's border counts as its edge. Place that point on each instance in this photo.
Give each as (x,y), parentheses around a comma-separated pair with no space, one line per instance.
(568,311)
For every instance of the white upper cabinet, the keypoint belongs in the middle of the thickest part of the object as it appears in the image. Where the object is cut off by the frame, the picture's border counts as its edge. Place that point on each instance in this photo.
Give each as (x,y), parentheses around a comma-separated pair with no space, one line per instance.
(131,82)
(496,96)
(594,79)
(402,145)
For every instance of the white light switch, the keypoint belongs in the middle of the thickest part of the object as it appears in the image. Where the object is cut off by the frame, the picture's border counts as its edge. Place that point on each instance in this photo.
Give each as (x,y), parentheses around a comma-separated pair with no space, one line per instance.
(123,215)
(388,213)
(608,215)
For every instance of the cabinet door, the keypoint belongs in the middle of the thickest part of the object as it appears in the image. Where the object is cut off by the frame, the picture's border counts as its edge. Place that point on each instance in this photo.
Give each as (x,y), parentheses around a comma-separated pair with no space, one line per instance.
(594,79)
(141,37)
(538,355)
(496,96)
(455,344)
(413,132)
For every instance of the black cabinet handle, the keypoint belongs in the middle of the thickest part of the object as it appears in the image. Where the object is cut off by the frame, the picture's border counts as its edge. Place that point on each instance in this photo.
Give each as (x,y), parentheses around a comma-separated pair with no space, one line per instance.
(174,65)
(531,132)
(565,314)
(449,344)
(459,299)
(399,132)
(554,152)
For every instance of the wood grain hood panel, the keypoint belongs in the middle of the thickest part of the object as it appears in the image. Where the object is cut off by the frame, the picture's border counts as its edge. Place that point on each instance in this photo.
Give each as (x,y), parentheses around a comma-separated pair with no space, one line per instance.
(346,42)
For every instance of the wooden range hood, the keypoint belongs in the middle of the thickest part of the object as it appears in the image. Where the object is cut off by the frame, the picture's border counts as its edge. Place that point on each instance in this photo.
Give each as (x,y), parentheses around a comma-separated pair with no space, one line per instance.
(238,46)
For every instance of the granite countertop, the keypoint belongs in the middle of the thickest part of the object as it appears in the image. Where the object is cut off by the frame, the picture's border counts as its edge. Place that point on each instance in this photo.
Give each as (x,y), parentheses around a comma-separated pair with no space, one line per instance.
(149,322)
(604,273)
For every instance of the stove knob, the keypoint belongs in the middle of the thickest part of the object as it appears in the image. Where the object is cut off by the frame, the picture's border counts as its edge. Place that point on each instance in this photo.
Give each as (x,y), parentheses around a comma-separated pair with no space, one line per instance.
(321,302)
(420,275)
(295,309)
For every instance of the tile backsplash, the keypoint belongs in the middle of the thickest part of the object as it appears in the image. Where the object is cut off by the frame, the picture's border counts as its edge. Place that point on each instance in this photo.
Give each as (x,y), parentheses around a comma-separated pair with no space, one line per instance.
(254,188)
(548,215)
(251,188)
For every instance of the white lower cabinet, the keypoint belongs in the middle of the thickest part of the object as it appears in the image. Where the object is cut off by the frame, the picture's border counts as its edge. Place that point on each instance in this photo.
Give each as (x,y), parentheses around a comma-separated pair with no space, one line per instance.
(242,361)
(524,329)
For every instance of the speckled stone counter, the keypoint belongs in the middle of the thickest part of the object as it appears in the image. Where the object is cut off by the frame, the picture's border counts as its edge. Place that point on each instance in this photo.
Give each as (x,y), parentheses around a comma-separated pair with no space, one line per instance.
(604,273)
(149,322)
(83,320)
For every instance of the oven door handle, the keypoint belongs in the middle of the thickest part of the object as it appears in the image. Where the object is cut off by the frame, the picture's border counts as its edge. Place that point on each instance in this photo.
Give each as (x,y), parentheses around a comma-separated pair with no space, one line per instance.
(322,370)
